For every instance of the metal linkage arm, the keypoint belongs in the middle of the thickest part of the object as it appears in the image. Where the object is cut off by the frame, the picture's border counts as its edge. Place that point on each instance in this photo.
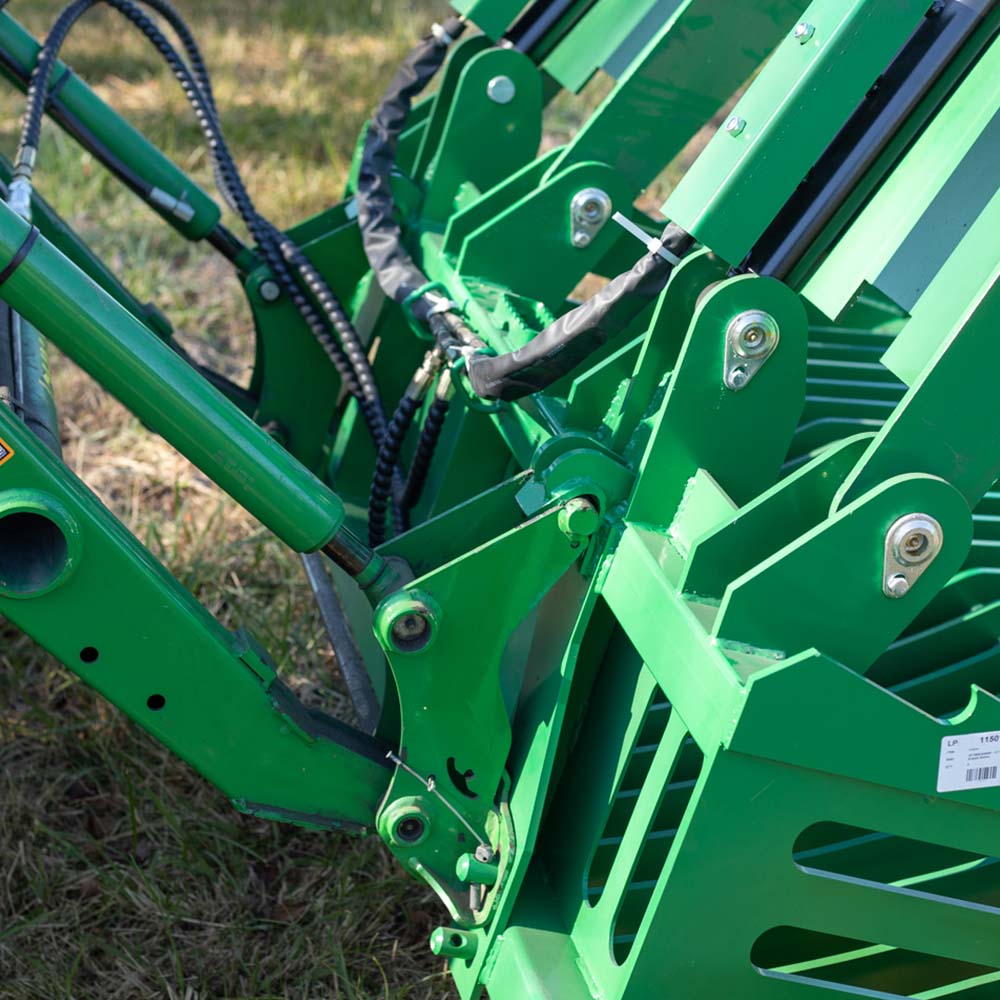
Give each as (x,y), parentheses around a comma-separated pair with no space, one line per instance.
(78,583)
(124,150)
(117,350)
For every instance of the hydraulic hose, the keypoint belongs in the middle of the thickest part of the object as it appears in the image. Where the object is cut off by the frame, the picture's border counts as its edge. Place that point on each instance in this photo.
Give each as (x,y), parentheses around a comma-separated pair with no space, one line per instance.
(385,468)
(389,454)
(423,454)
(557,350)
(395,269)
(568,342)
(280,253)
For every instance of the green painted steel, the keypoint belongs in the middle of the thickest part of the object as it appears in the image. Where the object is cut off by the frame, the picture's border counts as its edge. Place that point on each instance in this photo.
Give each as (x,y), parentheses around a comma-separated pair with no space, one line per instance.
(679,652)
(132,632)
(114,133)
(797,105)
(124,356)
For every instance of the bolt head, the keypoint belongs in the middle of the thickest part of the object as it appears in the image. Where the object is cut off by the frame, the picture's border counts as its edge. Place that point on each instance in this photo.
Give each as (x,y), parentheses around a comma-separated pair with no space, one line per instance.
(738,378)
(897,586)
(754,340)
(270,291)
(915,544)
(804,31)
(501,90)
(915,539)
(736,125)
(581,239)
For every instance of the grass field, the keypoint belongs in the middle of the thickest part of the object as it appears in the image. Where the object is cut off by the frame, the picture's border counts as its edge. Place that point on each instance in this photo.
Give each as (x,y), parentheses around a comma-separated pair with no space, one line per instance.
(123,875)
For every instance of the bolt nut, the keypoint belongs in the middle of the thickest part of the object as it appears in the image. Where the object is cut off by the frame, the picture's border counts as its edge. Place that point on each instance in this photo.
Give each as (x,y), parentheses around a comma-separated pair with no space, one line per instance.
(270,290)
(897,586)
(736,125)
(501,90)
(804,31)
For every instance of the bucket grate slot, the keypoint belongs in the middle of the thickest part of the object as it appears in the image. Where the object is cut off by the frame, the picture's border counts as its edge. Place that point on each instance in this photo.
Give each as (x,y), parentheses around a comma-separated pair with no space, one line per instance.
(626,798)
(864,968)
(894,862)
(674,803)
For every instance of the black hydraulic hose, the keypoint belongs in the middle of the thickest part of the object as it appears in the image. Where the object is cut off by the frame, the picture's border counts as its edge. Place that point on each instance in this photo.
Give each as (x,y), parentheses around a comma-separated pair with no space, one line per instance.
(40,84)
(350,361)
(423,454)
(394,268)
(385,468)
(275,247)
(387,463)
(568,342)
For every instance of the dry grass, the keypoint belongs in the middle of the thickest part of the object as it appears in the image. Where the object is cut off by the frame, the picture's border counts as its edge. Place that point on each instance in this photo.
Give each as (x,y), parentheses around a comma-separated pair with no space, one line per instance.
(122,873)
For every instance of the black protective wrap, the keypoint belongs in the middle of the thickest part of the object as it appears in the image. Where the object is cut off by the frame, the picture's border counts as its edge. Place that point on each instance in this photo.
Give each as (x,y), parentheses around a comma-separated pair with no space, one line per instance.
(568,342)
(395,269)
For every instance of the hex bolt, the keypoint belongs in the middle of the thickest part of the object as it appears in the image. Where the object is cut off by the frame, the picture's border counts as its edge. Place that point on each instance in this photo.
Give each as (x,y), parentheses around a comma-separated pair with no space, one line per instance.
(804,31)
(897,586)
(738,378)
(411,632)
(736,125)
(270,291)
(501,90)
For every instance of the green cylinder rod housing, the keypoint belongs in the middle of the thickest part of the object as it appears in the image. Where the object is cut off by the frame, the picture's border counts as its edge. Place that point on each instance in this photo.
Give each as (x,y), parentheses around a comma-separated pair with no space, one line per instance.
(164,392)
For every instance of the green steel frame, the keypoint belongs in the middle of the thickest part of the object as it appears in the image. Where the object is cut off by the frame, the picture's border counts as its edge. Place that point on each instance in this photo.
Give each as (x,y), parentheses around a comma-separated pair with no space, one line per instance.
(675,725)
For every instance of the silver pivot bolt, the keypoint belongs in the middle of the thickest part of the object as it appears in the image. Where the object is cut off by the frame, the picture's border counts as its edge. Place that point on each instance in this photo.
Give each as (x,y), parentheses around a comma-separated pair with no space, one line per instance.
(736,125)
(750,340)
(501,90)
(911,545)
(589,213)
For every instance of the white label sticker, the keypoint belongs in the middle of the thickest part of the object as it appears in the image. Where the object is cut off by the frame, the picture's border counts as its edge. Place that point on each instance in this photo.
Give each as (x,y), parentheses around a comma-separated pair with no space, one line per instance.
(971,761)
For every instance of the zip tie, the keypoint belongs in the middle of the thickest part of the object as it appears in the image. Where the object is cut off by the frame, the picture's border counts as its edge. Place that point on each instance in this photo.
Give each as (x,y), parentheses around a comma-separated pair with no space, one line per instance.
(442,36)
(431,785)
(654,246)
